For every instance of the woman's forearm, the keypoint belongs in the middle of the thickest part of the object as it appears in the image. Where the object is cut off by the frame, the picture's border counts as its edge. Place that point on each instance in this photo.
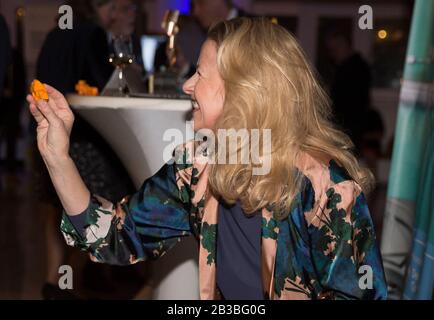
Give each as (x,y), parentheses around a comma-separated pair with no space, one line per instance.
(69,185)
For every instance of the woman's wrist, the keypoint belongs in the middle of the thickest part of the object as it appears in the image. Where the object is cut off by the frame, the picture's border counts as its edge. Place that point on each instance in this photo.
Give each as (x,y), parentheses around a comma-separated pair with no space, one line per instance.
(57,162)
(70,188)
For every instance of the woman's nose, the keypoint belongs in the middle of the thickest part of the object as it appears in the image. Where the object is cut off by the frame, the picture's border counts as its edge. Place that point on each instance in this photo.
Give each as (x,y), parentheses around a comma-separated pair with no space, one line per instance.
(188,86)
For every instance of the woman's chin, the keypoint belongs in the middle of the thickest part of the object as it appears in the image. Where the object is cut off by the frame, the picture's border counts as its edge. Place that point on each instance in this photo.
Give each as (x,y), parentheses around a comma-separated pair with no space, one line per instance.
(197,120)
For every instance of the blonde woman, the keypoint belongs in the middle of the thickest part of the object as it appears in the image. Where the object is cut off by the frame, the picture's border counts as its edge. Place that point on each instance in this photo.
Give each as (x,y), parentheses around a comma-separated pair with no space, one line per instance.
(300,231)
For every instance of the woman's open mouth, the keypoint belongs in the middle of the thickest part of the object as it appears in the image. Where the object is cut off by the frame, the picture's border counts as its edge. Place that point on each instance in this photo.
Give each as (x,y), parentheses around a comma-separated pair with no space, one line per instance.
(195,105)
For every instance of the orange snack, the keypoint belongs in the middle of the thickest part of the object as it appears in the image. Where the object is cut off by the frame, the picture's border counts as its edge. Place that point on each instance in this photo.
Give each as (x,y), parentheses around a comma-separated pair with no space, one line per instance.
(84,89)
(38,90)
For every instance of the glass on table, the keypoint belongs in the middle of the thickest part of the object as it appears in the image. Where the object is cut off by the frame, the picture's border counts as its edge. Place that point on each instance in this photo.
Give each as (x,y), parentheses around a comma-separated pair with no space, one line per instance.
(122,57)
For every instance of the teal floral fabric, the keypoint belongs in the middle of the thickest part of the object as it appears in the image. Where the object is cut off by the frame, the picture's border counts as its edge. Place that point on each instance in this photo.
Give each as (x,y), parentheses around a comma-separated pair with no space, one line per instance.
(324,249)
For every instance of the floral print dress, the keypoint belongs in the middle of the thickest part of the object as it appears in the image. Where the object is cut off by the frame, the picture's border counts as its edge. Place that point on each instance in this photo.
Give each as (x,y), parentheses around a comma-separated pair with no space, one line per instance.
(324,249)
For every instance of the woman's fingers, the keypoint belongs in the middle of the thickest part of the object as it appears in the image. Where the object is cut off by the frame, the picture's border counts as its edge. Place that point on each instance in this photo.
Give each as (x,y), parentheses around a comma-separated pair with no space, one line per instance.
(58,97)
(57,101)
(52,92)
(48,112)
(36,113)
(30,99)
(55,111)
(34,109)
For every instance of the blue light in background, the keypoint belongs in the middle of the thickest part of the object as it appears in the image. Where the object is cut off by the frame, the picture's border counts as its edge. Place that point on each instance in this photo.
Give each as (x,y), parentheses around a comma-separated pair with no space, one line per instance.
(182,5)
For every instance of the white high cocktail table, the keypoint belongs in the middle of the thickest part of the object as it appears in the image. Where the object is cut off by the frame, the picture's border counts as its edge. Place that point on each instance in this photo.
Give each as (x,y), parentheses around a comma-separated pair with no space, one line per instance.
(134,128)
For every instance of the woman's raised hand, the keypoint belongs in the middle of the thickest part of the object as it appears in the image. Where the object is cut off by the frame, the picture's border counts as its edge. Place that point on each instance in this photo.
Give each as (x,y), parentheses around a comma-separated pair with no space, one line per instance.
(55,119)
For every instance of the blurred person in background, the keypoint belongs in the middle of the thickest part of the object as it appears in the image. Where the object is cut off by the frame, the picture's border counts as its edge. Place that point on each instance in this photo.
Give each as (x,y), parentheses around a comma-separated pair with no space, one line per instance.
(124,23)
(206,13)
(193,31)
(124,18)
(5,51)
(81,53)
(14,96)
(66,57)
(5,59)
(209,12)
(350,93)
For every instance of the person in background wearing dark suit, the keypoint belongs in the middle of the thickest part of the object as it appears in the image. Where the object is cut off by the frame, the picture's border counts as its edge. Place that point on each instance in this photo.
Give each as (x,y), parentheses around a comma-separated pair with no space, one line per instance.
(193,31)
(209,12)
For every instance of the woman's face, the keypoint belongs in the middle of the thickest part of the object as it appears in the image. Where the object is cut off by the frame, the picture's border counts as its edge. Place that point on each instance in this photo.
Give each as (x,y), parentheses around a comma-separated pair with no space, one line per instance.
(206,88)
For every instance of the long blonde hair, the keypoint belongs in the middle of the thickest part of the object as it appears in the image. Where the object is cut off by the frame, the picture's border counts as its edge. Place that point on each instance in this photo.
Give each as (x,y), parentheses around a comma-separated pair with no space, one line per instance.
(270,84)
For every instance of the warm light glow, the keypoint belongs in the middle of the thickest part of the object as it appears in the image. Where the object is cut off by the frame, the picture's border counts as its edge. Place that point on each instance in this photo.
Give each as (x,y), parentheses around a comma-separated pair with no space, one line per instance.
(20,12)
(397,35)
(382,34)
(274,20)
